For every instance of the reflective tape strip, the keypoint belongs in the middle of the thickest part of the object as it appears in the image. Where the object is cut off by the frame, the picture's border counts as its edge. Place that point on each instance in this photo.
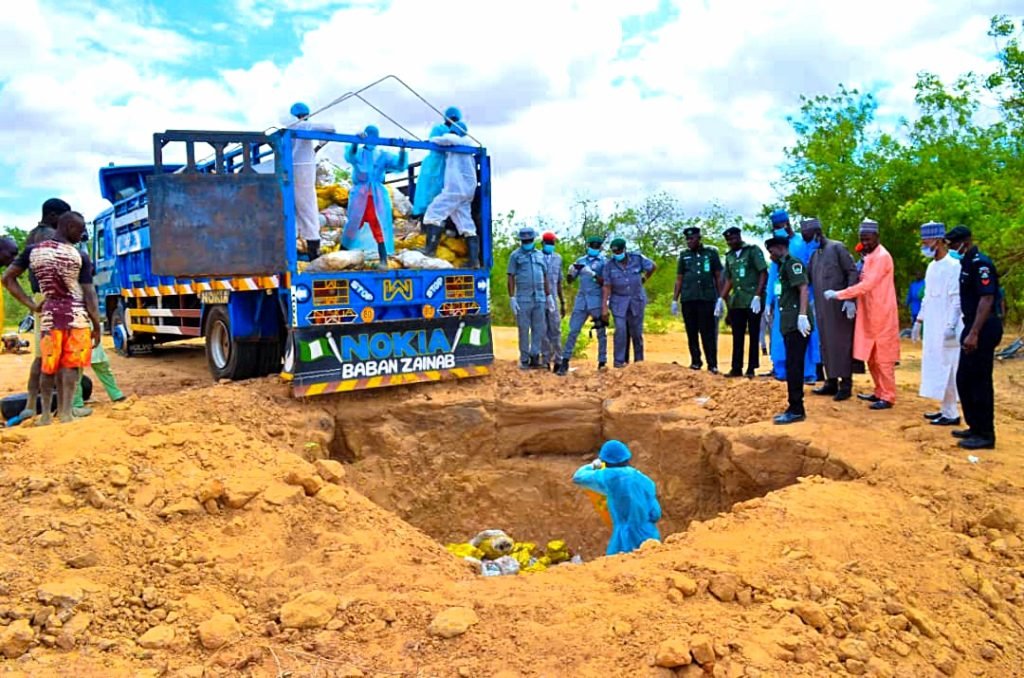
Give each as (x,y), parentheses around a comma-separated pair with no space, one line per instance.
(236,284)
(164,312)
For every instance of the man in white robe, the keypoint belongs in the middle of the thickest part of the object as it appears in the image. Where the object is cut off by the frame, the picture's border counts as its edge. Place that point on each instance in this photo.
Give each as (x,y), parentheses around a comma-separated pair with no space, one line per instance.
(938,326)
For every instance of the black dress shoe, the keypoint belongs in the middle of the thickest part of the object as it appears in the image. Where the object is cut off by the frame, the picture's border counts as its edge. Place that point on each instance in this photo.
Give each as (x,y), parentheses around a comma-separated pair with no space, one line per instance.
(826,389)
(842,395)
(880,405)
(713,370)
(963,433)
(750,374)
(732,374)
(946,421)
(602,365)
(788,418)
(978,443)
(870,397)
(696,366)
(932,415)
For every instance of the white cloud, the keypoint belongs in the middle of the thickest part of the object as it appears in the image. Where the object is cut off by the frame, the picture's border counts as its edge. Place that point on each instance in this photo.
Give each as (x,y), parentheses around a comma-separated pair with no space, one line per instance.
(700,112)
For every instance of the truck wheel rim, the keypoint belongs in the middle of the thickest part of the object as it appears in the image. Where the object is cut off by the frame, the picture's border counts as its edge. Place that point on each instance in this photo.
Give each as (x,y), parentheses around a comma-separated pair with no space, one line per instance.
(220,345)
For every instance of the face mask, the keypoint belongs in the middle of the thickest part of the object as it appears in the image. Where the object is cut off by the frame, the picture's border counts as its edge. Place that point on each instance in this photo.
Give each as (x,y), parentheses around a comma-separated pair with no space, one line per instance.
(956,254)
(527,246)
(619,257)
(594,252)
(548,249)
(928,252)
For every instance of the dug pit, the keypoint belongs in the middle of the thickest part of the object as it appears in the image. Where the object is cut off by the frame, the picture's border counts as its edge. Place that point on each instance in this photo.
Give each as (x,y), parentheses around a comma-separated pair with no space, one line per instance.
(453,469)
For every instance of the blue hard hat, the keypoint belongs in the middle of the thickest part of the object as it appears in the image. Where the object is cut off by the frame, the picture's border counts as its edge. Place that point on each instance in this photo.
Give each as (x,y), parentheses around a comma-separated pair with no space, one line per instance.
(614,452)
(779,216)
(453,113)
(527,233)
(299,109)
(371,131)
(460,128)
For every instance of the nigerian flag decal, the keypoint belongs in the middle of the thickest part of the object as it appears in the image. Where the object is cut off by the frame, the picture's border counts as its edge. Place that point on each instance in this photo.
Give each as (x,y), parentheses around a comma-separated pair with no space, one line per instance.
(310,351)
(476,336)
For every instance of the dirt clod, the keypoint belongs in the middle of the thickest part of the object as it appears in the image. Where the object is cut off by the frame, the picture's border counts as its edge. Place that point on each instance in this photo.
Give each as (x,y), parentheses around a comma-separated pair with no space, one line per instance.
(452,622)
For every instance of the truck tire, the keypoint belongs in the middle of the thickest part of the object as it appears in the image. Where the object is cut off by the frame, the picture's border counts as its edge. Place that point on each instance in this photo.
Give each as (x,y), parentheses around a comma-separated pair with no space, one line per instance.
(119,331)
(270,358)
(227,357)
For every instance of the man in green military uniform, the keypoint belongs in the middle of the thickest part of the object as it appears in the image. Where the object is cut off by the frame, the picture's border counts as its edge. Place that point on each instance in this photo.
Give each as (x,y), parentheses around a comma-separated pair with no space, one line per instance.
(794,322)
(745,275)
(698,279)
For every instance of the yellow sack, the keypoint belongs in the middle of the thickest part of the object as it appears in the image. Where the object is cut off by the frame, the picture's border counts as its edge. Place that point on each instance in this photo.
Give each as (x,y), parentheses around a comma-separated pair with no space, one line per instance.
(457,245)
(446,254)
(322,203)
(538,566)
(557,552)
(416,242)
(523,552)
(464,551)
(339,194)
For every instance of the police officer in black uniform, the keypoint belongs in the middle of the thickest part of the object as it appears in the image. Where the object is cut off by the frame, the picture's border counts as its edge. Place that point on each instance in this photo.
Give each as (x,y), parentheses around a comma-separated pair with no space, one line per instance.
(983,330)
(794,322)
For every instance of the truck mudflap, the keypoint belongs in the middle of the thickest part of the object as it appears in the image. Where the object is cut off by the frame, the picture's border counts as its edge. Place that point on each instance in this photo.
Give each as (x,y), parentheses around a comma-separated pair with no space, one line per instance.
(337,358)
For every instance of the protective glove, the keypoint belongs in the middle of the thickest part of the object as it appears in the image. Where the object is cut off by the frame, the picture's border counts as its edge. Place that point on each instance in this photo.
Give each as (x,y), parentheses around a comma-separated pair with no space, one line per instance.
(675,307)
(587,271)
(514,303)
(803,325)
(755,305)
(719,308)
(950,334)
(831,294)
(915,332)
(850,309)
(552,305)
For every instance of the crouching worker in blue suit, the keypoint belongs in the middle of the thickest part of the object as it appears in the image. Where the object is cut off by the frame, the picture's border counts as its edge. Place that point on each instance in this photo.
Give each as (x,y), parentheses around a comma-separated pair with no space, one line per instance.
(632,500)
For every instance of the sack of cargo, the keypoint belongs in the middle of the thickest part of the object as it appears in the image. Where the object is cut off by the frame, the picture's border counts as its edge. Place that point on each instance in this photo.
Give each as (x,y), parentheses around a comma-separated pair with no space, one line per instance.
(341,260)
(334,216)
(400,205)
(464,551)
(557,552)
(415,259)
(494,543)
(411,242)
(456,245)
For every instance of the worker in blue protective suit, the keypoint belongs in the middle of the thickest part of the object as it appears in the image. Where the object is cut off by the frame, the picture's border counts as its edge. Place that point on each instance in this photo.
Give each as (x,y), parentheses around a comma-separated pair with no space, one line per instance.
(588,269)
(529,297)
(431,176)
(624,297)
(369,202)
(781,228)
(632,497)
(456,198)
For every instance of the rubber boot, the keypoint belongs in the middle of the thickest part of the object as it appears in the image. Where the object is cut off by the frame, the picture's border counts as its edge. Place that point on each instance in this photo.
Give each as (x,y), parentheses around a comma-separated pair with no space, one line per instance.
(845,390)
(433,240)
(473,246)
(382,252)
(563,368)
(313,249)
(535,363)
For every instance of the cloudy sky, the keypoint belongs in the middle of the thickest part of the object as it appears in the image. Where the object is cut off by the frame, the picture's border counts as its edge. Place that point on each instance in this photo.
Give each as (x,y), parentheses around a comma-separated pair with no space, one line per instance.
(610,100)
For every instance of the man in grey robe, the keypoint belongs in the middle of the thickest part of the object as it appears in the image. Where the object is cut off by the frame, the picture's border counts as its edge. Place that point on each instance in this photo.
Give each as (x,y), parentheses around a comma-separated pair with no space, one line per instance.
(832,268)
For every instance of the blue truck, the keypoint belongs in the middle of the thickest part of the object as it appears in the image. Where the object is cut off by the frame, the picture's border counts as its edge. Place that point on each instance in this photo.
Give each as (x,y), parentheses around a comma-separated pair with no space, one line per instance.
(208,249)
